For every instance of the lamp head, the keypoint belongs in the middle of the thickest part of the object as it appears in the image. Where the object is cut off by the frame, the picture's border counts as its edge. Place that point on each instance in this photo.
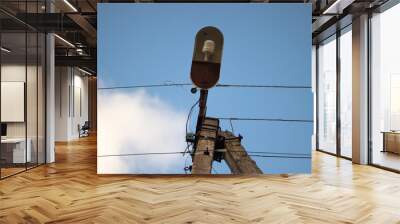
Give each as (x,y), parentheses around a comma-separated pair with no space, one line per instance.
(207,57)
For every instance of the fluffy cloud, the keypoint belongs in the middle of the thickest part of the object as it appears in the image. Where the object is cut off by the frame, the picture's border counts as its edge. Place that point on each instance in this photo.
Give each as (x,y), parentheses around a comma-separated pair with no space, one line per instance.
(134,122)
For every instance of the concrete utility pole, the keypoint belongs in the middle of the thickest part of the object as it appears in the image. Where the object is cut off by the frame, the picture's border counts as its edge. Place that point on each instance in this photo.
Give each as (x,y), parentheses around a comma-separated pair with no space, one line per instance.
(236,156)
(204,153)
(204,74)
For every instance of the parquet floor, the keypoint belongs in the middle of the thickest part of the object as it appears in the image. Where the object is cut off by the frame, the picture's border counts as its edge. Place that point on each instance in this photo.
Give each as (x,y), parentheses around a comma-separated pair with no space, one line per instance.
(69,191)
(10,171)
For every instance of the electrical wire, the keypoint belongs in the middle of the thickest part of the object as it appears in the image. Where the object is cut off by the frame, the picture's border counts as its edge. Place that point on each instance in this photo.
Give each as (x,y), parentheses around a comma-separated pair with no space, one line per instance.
(190,114)
(250,153)
(263,86)
(264,119)
(147,86)
(187,123)
(230,121)
(286,157)
(186,168)
(218,85)
(273,153)
(142,154)
(187,149)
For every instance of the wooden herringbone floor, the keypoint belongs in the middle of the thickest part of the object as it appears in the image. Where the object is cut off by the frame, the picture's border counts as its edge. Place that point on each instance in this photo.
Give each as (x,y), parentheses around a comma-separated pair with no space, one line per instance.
(69,191)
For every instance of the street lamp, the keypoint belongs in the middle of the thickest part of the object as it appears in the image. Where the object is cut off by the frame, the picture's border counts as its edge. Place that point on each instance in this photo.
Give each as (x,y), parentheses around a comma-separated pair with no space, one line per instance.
(206,65)
(207,56)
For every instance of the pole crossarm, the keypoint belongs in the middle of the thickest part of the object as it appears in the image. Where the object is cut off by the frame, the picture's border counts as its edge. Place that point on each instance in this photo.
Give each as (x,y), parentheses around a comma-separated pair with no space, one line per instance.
(236,156)
(208,148)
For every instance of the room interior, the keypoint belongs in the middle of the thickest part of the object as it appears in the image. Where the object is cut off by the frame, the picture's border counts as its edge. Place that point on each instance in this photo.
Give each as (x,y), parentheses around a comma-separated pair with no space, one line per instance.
(385,90)
(22,102)
(48,170)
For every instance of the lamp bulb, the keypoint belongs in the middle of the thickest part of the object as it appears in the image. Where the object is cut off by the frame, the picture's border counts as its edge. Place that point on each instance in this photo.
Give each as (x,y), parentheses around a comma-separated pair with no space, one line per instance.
(208,47)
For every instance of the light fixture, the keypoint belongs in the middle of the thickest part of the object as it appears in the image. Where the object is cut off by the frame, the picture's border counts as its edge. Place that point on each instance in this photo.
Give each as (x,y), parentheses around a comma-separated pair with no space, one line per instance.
(207,56)
(5,50)
(64,40)
(70,5)
(338,6)
(84,71)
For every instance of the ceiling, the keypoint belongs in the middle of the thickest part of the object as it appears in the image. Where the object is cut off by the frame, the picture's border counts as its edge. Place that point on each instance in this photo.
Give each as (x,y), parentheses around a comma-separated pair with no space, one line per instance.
(75,21)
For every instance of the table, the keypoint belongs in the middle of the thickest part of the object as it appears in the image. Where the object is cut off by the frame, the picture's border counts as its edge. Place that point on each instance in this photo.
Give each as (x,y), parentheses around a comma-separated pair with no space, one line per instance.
(13,150)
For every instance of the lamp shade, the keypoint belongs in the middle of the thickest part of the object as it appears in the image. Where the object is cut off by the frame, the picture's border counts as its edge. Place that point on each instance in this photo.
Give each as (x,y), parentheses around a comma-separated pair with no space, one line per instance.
(207,56)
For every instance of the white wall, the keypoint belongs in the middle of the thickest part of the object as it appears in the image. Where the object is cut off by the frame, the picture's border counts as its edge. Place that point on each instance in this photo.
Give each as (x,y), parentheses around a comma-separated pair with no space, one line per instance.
(71,102)
(62,81)
(17,73)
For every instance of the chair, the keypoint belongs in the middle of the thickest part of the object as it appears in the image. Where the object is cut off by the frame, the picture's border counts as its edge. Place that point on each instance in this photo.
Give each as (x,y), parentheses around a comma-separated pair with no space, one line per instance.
(84,130)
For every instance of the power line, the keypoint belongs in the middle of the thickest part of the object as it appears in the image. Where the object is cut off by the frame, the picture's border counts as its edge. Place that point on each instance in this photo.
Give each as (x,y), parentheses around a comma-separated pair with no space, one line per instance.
(147,86)
(250,153)
(186,167)
(187,123)
(265,119)
(286,157)
(143,154)
(218,85)
(189,114)
(258,152)
(263,86)
(230,121)
(278,153)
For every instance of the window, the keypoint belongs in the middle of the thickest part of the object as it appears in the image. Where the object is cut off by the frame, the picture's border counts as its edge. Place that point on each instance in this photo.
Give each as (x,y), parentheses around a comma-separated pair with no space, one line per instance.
(346,92)
(385,89)
(22,88)
(327,95)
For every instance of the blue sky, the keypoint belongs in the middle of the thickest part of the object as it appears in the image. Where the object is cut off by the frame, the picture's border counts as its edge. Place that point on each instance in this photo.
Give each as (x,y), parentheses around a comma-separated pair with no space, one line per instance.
(270,44)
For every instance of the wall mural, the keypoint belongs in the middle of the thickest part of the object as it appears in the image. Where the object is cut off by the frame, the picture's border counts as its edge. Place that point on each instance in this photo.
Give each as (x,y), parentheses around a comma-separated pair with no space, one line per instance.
(204,89)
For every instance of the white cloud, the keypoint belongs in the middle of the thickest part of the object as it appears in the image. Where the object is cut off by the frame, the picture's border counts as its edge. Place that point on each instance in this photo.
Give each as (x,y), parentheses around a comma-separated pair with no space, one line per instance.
(134,122)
